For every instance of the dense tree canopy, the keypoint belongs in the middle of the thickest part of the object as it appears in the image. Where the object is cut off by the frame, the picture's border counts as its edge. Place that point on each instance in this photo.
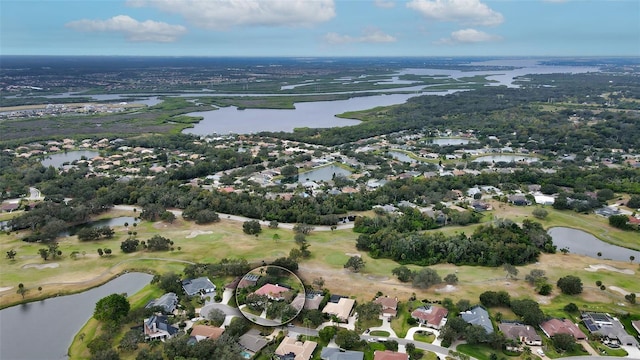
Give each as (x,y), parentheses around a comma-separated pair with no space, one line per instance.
(488,246)
(111,308)
(570,285)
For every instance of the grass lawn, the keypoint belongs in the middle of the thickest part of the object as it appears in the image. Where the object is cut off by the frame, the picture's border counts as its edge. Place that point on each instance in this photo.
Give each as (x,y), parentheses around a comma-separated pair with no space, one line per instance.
(370,348)
(78,348)
(552,353)
(427,338)
(483,352)
(399,322)
(363,325)
(607,351)
(379,333)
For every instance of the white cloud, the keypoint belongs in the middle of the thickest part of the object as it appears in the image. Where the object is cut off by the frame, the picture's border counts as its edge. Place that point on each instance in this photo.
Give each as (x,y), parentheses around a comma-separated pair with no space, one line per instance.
(385,4)
(369,36)
(224,14)
(471,12)
(134,30)
(468,36)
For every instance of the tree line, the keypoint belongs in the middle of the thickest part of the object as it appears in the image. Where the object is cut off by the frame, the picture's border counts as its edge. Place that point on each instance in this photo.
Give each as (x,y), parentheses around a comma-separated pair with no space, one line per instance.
(491,245)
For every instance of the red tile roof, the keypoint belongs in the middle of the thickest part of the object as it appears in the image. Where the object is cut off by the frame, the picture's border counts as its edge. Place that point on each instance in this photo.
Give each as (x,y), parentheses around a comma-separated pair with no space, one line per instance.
(389,355)
(564,326)
(432,315)
(271,290)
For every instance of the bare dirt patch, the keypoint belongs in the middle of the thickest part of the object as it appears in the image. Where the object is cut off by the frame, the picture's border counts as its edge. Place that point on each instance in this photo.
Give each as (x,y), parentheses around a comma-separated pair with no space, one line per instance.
(198,233)
(6,288)
(594,268)
(41,266)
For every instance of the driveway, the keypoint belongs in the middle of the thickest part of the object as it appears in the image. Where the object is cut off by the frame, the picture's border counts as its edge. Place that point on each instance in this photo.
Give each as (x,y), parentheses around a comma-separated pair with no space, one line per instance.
(226,309)
(413,330)
(585,344)
(386,326)
(634,352)
(227,295)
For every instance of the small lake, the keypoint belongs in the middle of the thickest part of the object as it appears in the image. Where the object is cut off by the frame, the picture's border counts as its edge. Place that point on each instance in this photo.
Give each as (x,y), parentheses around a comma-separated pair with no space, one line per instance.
(316,114)
(117,221)
(402,157)
(583,243)
(45,329)
(505,158)
(448,141)
(56,160)
(324,173)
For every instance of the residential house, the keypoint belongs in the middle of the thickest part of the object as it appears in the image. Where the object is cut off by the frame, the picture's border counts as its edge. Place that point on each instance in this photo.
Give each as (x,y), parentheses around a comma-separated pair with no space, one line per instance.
(389,355)
(562,326)
(201,332)
(478,316)
(292,349)
(610,328)
(252,341)
(157,327)
(299,301)
(389,305)
(519,200)
(525,334)
(341,309)
(167,302)
(431,316)
(273,292)
(313,300)
(201,285)
(339,354)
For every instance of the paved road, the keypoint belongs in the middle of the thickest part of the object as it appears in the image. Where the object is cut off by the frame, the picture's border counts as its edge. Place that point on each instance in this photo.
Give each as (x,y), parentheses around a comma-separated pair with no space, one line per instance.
(226,309)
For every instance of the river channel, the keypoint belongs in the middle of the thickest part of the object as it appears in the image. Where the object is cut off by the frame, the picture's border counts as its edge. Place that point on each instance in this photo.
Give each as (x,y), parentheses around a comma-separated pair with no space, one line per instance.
(45,329)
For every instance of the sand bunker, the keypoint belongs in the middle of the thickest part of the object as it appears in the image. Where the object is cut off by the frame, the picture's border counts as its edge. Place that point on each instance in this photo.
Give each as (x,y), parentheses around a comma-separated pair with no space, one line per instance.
(353,254)
(6,288)
(594,268)
(448,288)
(619,290)
(41,266)
(195,233)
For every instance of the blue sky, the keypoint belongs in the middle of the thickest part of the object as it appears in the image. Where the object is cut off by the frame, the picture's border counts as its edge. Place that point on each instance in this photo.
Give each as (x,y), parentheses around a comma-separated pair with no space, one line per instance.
(321,27)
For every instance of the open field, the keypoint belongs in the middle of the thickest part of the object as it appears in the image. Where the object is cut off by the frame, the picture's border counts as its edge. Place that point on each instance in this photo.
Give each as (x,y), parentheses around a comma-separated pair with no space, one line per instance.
(329,251)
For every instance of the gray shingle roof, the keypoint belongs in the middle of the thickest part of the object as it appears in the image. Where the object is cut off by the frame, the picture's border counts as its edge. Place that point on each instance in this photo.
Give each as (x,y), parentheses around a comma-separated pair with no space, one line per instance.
(194,286)
(478,316)
(337,354)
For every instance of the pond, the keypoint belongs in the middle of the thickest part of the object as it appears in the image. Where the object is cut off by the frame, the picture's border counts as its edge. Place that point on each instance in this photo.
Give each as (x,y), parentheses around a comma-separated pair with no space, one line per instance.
(505,158)
(56,160)
(324,173)
(117,221)
(583,243)
(448,141)
(402,157)
(45,329)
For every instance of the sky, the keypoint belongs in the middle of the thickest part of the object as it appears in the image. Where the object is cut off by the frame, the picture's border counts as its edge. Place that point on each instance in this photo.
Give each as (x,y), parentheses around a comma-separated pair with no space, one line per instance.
(316,28)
